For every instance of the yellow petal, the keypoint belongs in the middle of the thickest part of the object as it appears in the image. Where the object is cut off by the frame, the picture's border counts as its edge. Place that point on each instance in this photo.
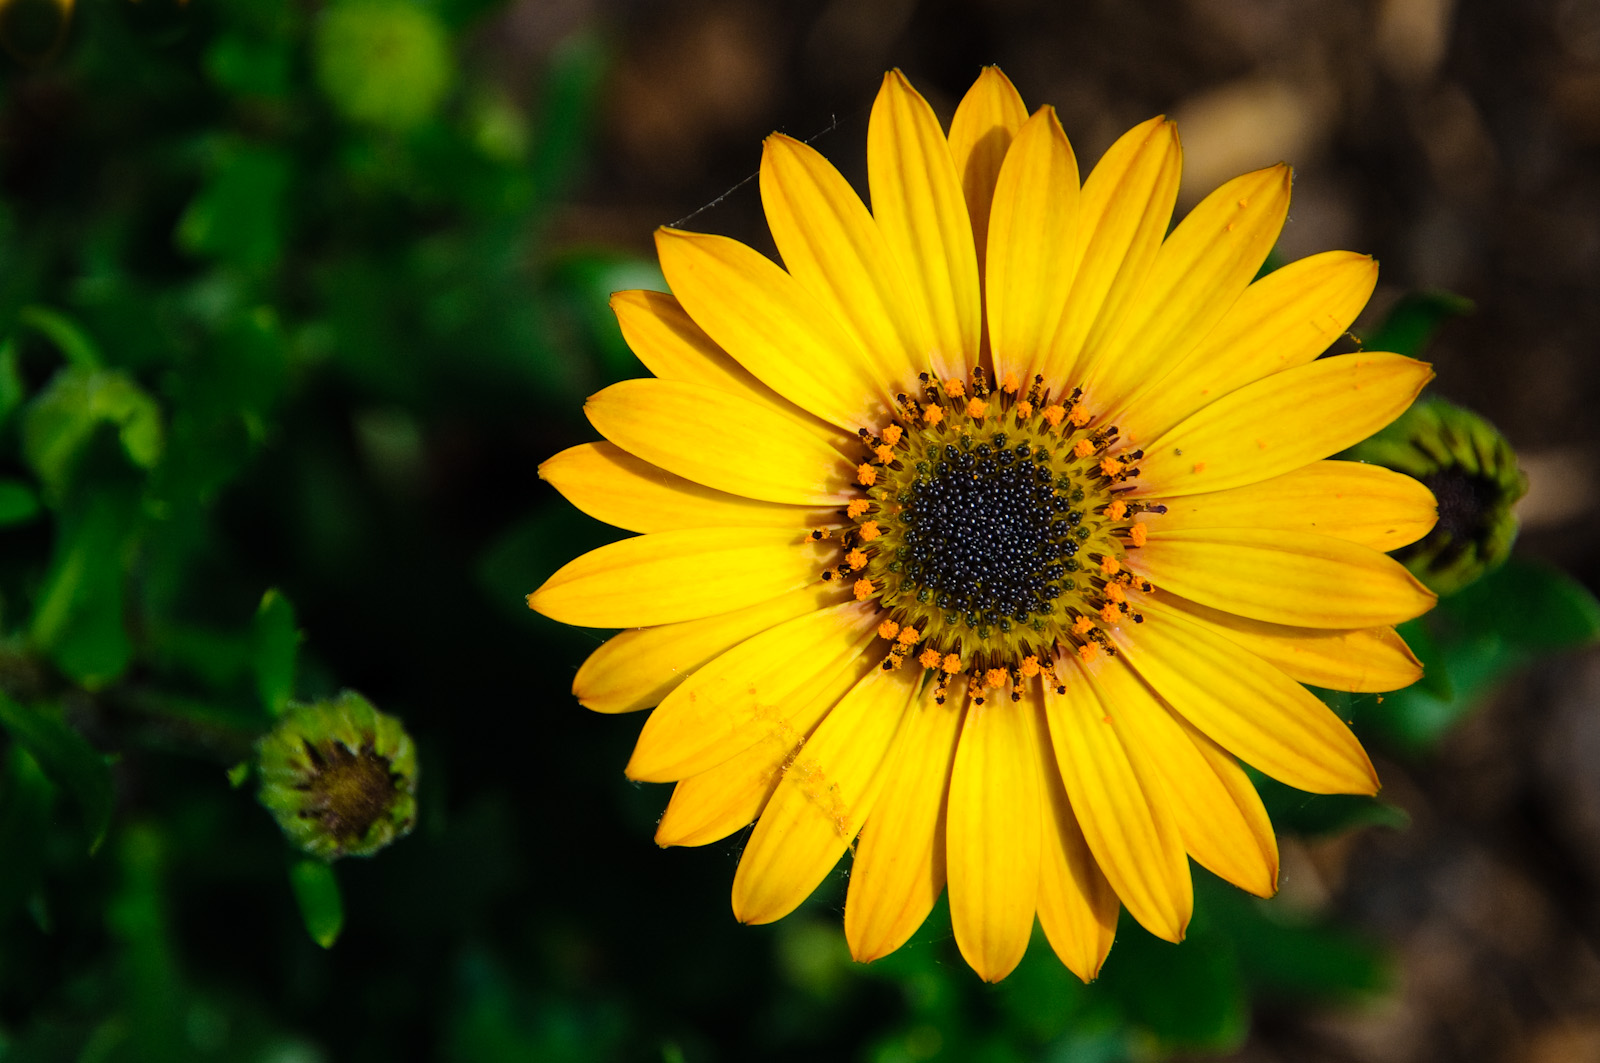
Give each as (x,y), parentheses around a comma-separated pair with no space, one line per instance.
(1077,906)
(612,485)
(980,134)
(773,326)
(1282,577)
(636,669)
(826,794)
(721,440)
(993,834)
(832,246)
(899,868)
(1365,660)
(1200,271)
(1284,319)
(1224,826)
(1129,828)
(1031,231)
(715,803)
(749,694)
(1245,705)
(917,201)
(665,577)
(1364,504)
(1122,217)
(1280,423)
(673,347)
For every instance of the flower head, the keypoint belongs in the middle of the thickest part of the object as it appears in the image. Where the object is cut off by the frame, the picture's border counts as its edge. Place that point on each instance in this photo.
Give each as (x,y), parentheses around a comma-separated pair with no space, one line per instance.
(1078,457)
(340,777)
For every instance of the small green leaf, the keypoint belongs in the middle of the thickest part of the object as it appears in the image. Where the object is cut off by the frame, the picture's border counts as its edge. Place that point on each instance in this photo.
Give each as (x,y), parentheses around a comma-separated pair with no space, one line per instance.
(239,774)
(62,331)
(26,795)
(316,891)
(18,502)
(77,618)
(67,759)
(277,641)
(12,389)
(61,420)
(241,215)
(1414,320)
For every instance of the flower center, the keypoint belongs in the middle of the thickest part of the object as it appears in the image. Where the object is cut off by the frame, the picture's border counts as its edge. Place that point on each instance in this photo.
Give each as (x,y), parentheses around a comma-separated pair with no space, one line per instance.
(991,532)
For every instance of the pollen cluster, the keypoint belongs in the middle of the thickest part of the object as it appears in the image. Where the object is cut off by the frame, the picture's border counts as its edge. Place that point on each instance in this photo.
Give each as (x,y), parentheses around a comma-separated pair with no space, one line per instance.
(992,532)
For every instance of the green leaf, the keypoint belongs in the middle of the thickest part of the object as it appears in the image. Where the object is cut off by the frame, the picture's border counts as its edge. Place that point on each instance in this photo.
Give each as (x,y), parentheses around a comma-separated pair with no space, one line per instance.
(277,641)
(75,344)
(67,758)
(77,618)
(316,891)
(26,795)
(1479,637)
(1190,996)
(12,389)
(1414,320)
(1319,815)
(1285,958)
(60,423)
(18,502)
(241,215)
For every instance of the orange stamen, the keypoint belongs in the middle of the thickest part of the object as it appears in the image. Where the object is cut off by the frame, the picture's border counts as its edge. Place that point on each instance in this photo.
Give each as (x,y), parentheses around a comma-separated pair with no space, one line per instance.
(857,507)
(863,589)
(933,413)
(1109,468)
(955,387)
(1109,614)
(892,434)
(994,677)
(884,454)
(1114,593)
(951,664)
(1054,413)
(1082,625)
(1009,384)
(910,636)
(1029,667)
(976,408)
(869,531)
(1116,510)
(1081,416)
(1138,534)
(856,559)
(1109,565)
(1024,408)
(888,629)
(866,475)
(1088,651)
(1082,448)
(929,658)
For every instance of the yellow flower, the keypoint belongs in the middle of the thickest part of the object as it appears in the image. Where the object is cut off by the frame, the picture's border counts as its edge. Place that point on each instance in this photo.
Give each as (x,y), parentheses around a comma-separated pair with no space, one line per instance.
(1078,460)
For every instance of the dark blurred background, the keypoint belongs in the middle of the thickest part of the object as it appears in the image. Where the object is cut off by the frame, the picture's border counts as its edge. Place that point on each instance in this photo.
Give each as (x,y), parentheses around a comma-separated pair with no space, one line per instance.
(356,255)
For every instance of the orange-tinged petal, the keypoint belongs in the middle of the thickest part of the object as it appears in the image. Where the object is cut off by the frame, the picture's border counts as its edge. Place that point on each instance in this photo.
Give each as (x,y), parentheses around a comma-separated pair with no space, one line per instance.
(1283,577)
(721,440)
(1364,660)
(980,134)
(636,669)
(612,485)
(899,868)
(1280,423)
(1122,217)
(673,347)
(772,325)
(1033,223)
(1284,319)
(1200,271)
(1365,504)
(715,803)
(665,577)
(1127,824)
(1245,704)
(993,834)
(832,246)
(749,694)
(1077,906)
(1224,826)
(827,792)
(917,202)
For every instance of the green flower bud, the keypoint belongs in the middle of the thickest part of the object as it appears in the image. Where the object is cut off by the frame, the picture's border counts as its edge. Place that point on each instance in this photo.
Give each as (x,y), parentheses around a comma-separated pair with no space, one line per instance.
(386,63)
(1472,471)
(339,776)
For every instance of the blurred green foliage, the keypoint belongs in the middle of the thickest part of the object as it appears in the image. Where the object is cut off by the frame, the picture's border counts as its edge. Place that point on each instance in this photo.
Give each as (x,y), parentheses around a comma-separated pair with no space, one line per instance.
(281,320)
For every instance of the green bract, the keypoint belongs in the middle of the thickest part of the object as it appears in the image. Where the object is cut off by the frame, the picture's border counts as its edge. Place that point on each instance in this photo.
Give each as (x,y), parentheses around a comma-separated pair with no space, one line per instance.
(340,777)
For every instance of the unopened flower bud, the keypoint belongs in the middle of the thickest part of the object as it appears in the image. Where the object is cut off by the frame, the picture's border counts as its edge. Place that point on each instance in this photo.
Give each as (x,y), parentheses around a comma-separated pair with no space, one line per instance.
(1472,471)
(340,777)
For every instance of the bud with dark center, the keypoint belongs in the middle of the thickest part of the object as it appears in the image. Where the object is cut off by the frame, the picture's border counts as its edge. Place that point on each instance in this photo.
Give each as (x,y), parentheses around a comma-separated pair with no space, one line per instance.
(1472,472)
(340,777)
